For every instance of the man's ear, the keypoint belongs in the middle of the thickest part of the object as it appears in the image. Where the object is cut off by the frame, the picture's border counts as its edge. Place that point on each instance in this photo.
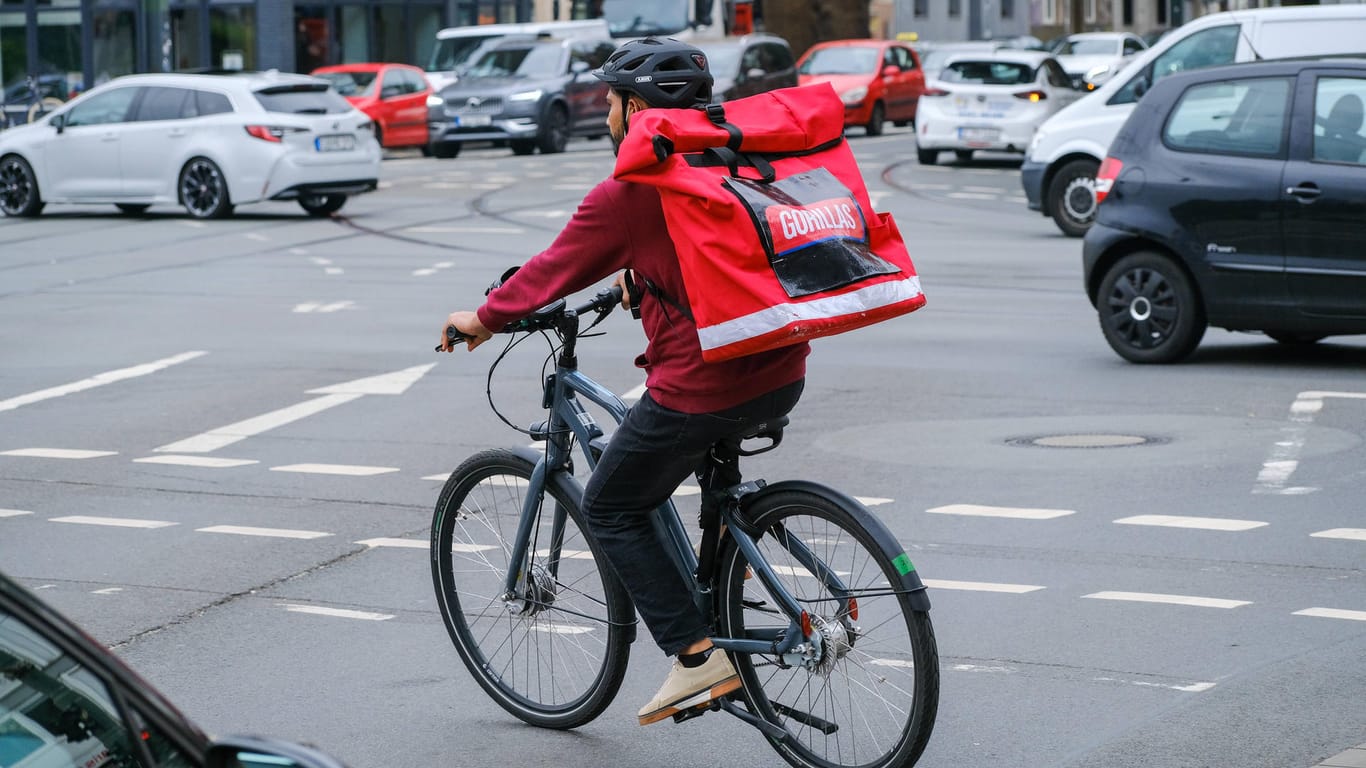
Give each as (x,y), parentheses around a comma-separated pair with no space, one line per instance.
(634,104)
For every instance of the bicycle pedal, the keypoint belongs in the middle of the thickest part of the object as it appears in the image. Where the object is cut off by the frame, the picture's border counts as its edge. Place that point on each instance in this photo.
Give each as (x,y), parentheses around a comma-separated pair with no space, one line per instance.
(697,711)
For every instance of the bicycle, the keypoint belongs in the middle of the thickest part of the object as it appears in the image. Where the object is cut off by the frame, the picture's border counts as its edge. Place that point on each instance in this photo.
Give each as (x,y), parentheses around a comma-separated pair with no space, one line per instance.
(821,610)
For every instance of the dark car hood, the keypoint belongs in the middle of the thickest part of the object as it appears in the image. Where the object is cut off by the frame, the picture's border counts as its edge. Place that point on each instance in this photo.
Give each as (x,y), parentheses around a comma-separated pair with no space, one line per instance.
(484,87)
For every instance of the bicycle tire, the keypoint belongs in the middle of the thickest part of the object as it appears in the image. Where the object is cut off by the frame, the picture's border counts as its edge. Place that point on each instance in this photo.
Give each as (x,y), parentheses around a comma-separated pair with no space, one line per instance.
(513,648)
(880,688)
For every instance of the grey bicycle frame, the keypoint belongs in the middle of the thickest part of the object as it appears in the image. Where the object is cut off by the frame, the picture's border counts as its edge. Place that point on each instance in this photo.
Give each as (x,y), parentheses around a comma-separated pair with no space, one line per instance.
(568,416)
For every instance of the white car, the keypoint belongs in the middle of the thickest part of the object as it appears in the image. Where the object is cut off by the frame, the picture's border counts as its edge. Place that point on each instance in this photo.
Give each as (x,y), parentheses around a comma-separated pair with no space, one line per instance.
(1091,58)
(989,101)
(207,142)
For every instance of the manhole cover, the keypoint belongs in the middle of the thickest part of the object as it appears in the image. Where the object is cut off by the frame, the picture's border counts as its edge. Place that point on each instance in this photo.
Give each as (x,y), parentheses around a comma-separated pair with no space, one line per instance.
(1100,440)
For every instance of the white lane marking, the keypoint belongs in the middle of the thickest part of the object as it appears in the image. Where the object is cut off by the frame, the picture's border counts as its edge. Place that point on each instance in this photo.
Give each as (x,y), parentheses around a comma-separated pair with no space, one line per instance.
(469,230)
(1192,688)
(635,394)
(1152,597)
(787,570)
(107,591)
(981,586)
(442,478)
(395,383)
(351,470)
(277,533)
(320,260)
(299,251)
(872,501)
(543,214)
(208,462)
(470,549)
(560,629)
(99,380)
(338,613)
(57,453)
(568,554)
(115,522)
(423,272)
(982,668)
(938,187)
(400,543)
(257,236)
(214,439)
(13,512)
(1332,613)
(1285,454)
(333,271)
(316,306)
(688,490)
(1203,523)
(992,190)
(971,196)
(1351,534)
(1022,513)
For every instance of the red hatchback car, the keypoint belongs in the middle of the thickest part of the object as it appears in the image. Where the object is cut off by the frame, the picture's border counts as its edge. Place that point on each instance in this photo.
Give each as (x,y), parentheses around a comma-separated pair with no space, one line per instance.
(393,95)
(878,80)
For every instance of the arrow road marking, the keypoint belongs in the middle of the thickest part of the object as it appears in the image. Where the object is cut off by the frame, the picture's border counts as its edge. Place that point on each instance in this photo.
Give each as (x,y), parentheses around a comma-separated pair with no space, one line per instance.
(98,380)
(278,533)
(1149,597)
(13,512)
(117,522)
(1353,534)
(395,383)
(1203,523)
(1332,613)
(57,453)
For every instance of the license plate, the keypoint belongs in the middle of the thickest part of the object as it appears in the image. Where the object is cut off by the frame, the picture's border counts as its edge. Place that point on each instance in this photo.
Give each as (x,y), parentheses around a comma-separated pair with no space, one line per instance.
(340,142)
(979,134)
(472,121)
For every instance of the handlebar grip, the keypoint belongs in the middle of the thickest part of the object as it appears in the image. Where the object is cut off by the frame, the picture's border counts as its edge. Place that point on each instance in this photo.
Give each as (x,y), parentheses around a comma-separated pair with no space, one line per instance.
(454,336)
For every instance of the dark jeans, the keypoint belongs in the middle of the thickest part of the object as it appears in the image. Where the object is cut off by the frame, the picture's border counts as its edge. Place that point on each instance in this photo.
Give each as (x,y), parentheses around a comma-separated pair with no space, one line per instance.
(650,454)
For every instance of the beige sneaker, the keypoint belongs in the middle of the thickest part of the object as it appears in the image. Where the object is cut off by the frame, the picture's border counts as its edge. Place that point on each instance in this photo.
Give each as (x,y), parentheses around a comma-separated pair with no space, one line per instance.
(687,688)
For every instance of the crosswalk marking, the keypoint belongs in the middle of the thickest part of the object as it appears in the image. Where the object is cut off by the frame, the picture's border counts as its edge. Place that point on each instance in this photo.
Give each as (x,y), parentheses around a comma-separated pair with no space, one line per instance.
(340,613)
(1150,597)
(116,522)
(107,591)
(98,380)
(13,512)
(1332,613)
(334,469)
(1352,534)
(981,586)
(1203,523)
(872,501)
(206,462)
(401,543)
(57,453)
(1022,513)
(279,533)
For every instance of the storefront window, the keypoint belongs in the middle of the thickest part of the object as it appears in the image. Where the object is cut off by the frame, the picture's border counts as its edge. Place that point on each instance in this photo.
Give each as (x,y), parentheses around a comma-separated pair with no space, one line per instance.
(232,37)
(355,28)
(389,33)
(59,47)
(114,44)
(186,50)
(13,50)
(426,22)
(312,37)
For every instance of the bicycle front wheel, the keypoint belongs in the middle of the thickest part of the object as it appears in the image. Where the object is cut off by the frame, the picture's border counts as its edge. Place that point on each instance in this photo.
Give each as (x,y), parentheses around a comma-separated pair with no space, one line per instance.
(553,650)
(866,689)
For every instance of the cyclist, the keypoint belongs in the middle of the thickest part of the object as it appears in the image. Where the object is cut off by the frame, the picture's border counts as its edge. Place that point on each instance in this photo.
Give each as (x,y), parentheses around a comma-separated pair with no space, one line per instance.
(689,404)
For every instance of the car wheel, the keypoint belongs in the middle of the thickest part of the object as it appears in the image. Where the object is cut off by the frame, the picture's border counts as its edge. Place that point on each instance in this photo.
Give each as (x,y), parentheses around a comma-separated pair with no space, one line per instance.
(523,146)
(901,123)
(874,126)
(1072,197)
(554,134)
(18,188)
(963,155)
(927,156)
(1295,339)
(322,205)
(426,150)
(203,191)
(1149,310)
(132,209)
(445,150)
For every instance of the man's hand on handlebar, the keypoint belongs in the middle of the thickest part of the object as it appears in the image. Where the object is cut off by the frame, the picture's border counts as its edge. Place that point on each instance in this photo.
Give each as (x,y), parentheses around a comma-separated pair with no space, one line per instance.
(468,326)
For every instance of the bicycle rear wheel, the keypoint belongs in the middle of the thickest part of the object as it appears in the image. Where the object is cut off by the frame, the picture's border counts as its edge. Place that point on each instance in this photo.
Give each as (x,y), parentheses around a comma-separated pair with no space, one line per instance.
(553,652)
(871,697)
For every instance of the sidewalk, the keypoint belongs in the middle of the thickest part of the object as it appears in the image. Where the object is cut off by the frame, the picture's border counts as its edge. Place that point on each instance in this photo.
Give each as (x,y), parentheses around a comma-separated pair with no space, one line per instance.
(1350,758)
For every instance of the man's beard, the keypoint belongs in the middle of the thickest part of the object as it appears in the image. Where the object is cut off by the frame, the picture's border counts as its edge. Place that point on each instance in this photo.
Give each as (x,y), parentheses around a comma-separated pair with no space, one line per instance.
(616,143)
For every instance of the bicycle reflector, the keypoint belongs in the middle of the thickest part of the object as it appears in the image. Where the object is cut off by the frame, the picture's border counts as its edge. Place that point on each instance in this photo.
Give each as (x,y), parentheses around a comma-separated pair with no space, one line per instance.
(806,625)
(853,609)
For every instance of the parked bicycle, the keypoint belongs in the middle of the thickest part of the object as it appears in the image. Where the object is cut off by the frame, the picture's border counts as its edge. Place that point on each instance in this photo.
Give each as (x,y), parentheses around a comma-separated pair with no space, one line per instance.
(821,610)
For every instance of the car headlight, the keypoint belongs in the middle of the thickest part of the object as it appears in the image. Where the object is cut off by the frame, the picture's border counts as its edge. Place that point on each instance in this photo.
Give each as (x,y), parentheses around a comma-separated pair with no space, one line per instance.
(435,100)
(526,96)
(854,96)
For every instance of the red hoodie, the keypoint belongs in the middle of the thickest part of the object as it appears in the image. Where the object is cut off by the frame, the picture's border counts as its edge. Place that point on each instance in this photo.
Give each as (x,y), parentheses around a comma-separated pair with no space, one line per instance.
(620,225)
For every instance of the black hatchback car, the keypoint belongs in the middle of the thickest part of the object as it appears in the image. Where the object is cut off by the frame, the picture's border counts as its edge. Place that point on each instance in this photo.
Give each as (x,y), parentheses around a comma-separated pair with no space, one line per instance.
(1235,198)
(66,702)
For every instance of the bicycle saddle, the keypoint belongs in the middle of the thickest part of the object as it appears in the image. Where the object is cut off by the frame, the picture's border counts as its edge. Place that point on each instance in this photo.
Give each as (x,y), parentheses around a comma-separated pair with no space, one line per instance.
(771,430)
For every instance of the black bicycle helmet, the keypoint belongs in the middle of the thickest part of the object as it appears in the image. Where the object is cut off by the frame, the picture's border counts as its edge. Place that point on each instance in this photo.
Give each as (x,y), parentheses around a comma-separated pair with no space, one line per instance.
(664,72)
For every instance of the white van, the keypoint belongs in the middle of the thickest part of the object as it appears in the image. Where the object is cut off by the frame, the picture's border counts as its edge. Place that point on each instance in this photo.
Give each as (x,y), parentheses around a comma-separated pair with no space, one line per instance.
(457,46)
(1059,170)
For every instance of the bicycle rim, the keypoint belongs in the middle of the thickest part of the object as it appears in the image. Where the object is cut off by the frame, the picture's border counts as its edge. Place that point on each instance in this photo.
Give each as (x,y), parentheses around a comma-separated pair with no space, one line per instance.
(871,699)
(554,652)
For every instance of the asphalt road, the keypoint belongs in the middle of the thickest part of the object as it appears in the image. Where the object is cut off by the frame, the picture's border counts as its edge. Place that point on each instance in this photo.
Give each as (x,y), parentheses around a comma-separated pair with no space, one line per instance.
(1193,596)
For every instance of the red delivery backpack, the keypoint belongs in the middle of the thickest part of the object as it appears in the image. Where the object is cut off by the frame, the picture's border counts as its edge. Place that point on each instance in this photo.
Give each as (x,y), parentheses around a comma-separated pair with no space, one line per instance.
(774,230)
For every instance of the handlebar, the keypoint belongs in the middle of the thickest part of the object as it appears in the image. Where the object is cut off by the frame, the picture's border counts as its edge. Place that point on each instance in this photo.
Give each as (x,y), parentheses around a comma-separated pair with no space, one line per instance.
(552,316)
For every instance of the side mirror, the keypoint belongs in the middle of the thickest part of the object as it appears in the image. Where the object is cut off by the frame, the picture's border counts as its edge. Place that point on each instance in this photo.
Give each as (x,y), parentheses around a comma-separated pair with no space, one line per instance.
(257,752)
(58,122)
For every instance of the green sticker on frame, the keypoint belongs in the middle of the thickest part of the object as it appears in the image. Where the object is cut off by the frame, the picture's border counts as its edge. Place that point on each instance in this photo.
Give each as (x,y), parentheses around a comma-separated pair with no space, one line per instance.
(903,564)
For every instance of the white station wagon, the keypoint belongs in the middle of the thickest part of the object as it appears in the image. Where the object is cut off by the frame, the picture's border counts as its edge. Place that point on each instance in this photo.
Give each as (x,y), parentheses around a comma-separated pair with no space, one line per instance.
(207,142)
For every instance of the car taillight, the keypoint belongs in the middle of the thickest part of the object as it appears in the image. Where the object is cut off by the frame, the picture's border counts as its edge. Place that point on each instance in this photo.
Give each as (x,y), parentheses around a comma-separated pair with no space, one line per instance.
(1032,97)
(266,132)
(933,93)
(1105,177)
